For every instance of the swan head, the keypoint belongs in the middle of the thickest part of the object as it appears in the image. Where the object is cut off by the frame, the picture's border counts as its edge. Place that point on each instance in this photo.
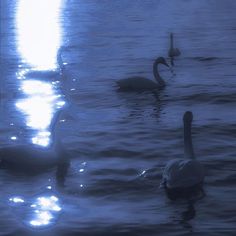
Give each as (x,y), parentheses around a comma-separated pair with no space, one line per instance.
(188,117)
(161,60)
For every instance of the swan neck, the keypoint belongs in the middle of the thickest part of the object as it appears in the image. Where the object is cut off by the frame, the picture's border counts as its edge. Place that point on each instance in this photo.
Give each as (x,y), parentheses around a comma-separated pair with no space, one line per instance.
(157,76)
(188,146)
(55,140)
(60,61)
(171,41)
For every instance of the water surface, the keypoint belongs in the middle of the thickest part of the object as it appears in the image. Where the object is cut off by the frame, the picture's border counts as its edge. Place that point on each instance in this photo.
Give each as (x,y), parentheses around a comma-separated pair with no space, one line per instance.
(114,137)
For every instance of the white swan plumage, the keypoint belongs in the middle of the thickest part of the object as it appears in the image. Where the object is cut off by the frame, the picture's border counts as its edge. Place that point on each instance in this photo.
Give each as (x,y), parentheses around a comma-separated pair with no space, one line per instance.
(173,52)
(138,83)
(182,176)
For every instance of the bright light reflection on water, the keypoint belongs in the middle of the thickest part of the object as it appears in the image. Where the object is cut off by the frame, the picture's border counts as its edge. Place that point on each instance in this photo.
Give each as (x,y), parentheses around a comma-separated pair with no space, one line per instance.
(39,106)
(39,38)
(17,200)
(39,32)
(44,210)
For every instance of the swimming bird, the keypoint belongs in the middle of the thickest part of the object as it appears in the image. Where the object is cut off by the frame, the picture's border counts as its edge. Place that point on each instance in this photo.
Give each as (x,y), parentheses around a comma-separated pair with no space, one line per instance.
(173,52)
(183,178)
(138,83)
(31,158)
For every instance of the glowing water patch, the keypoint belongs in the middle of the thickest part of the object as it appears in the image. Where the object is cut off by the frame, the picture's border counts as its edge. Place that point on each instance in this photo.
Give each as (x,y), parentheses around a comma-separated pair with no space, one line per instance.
(39,32)
(42,211)
(39,38)
(39,107)
(21,74)
(16,200)
(39,111)
(36,87)
(42,138)
(45,209)
(13,138)
(43,218)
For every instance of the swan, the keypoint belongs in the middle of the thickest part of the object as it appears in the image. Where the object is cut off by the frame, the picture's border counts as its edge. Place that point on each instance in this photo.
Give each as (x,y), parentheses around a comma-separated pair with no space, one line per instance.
(33,158)
(173,52)
(183,178)
(139,83)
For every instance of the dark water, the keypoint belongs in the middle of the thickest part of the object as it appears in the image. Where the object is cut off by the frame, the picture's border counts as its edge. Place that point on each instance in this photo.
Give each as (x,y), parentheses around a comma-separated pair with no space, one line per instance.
(114,137)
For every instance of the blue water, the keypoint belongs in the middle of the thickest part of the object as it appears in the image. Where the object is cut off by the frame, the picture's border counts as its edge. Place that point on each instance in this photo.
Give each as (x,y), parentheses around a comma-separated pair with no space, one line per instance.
(120,142)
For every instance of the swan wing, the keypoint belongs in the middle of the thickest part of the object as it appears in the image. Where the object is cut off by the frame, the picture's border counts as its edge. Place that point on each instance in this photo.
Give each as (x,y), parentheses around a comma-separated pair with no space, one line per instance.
(177,52)
(174,52)
(183,173)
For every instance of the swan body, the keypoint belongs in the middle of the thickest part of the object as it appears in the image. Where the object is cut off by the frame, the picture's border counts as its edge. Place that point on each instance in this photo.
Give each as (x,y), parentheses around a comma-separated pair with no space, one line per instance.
(138,83)
(183,173)
(34,158)
(28,157)
(173,52)
(183,177)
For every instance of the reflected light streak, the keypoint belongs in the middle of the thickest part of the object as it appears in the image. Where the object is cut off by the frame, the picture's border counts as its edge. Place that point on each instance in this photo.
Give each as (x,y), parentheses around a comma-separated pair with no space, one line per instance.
(42,211)
(16,200)
(45,209)
(42,139)
(13,138)
(33,87)
(38,110)
(39,107)
(39,39)
(39,32)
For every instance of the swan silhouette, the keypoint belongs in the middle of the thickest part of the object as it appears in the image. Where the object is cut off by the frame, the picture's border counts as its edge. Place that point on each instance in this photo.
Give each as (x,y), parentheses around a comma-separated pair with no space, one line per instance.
(33,158)
(173,52)
(137,83)
(183,178)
